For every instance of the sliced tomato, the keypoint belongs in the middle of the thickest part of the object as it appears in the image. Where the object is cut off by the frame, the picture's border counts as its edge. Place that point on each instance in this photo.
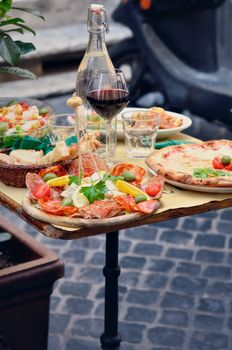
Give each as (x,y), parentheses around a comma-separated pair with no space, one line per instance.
(148,206)
(154,186)
(138,171)
(53,206)
(56,169)
(217,163)
(229,167)
(41,191)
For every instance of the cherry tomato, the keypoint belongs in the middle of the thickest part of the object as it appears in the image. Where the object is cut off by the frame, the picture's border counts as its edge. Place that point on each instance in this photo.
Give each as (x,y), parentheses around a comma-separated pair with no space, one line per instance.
(217,163)
(56,169)
(154,186)
(41,191)
(138,171)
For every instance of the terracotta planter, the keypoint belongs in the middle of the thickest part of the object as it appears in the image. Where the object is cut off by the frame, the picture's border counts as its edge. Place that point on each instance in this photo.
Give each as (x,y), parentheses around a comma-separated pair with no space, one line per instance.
(25,290)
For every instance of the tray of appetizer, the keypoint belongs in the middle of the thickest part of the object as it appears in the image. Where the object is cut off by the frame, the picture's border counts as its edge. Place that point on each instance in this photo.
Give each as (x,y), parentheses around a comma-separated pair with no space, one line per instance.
(89,199)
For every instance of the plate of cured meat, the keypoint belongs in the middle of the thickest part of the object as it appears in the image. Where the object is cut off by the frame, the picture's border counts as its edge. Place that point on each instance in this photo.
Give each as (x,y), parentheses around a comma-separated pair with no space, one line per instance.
(83,197)
(170,122)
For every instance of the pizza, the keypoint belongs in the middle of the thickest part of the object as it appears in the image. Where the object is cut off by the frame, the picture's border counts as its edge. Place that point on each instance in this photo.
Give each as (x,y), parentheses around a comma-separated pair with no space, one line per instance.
(200,164)
(84,197)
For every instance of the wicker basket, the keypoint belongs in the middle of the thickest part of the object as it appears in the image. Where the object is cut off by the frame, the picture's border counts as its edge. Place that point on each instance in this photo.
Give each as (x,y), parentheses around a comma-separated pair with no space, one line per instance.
(15,175)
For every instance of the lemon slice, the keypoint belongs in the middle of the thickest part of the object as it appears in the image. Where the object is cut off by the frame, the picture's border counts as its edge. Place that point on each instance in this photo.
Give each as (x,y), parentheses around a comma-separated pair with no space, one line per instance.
(59,181)
(128,188)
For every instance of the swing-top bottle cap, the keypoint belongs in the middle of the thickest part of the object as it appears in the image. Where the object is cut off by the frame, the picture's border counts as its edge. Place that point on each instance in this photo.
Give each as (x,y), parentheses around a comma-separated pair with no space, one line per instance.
(96,7)
(97,20)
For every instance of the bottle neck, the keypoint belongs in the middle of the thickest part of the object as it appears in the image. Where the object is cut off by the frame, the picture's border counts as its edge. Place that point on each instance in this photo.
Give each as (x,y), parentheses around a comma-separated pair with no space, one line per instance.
(96,42)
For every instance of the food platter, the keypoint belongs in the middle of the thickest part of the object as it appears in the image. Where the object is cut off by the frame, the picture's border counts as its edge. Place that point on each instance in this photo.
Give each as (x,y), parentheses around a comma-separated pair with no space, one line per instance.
(30,101)
(206,189)
(21,117)
(77,222)
(163,133)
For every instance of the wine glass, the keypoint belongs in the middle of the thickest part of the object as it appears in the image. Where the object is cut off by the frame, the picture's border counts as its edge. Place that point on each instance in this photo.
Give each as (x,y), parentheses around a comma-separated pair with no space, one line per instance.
(108,95)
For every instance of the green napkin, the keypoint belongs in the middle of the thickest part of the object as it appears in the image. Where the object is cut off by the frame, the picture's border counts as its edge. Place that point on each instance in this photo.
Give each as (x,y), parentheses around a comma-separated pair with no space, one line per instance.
(29,142)
(43,144)
(70,140)
(159,145)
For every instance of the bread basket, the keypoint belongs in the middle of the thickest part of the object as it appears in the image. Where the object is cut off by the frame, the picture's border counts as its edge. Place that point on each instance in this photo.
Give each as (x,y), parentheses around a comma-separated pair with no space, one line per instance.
(15,175)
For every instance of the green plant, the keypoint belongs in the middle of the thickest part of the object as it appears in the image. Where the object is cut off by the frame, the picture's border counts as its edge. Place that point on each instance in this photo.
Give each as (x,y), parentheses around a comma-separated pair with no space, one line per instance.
(11,50)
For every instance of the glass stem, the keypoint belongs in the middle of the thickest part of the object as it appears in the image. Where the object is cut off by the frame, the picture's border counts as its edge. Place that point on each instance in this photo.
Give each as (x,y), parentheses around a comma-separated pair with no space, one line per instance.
(108,139)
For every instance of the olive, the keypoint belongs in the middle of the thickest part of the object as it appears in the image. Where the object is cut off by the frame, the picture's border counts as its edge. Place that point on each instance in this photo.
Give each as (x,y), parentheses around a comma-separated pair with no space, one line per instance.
(140,198)
(226,160)
(67,201)
(43,111)
(128,176)
(3,127)
(49,176)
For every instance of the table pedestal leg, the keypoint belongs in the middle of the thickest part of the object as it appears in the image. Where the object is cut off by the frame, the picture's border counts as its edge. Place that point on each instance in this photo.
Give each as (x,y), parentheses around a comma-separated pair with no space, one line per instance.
(111,339)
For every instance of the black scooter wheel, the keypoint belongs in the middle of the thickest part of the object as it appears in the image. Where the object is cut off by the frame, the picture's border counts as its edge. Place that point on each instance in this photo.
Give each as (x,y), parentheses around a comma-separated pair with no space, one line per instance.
(126,55)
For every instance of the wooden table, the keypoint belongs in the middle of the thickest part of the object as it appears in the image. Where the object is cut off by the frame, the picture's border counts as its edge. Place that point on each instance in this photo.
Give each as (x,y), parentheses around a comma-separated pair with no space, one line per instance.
(174,204)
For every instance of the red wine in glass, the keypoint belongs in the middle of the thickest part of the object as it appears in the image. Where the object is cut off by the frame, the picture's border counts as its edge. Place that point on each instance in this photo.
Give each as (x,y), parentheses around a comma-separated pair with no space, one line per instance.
(108,102)
(108,95)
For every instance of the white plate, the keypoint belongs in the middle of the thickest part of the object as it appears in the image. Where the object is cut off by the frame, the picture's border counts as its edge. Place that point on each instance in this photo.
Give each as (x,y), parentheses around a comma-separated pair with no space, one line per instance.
(163,133)
(195,188)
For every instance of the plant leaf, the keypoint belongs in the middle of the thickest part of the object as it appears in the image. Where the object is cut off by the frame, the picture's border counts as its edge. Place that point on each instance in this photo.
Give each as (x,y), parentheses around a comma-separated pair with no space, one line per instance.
(9,50)
(25,47)
(28,10)
(26,28)
(19,30)
(24,73)
(15,21)
(5,6)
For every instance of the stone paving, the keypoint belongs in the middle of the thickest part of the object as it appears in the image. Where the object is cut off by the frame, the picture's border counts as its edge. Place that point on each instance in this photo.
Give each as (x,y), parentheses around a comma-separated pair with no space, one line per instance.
(175,286)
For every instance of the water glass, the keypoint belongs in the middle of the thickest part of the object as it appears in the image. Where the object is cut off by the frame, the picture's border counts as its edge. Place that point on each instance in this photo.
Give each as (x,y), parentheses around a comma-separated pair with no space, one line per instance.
(140,131)
(61,127)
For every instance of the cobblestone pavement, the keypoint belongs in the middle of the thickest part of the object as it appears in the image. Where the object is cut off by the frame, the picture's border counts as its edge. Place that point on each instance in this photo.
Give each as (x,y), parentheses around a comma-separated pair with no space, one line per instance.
(175,286)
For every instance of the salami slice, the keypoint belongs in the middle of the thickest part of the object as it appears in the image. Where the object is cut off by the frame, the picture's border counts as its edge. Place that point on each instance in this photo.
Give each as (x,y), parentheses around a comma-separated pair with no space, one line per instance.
(100,209)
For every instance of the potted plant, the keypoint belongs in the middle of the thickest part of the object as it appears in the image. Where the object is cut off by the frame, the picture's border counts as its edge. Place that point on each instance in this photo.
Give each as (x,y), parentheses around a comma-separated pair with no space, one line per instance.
(11,50)
(27,276)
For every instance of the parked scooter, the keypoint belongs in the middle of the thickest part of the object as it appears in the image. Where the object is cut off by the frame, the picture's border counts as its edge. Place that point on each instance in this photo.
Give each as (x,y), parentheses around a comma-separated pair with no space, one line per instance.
(180,55)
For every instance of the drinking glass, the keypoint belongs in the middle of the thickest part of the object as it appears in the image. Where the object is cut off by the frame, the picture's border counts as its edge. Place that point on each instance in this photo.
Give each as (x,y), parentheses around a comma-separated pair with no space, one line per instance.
(140,131)
(108,95)
(60,127)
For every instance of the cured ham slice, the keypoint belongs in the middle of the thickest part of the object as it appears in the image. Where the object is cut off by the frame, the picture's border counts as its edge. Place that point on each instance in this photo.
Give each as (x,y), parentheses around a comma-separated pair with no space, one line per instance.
(100,209)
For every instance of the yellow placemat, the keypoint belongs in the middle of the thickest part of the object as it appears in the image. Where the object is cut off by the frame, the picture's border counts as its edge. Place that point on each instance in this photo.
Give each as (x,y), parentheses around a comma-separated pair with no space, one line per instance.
(173,199)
